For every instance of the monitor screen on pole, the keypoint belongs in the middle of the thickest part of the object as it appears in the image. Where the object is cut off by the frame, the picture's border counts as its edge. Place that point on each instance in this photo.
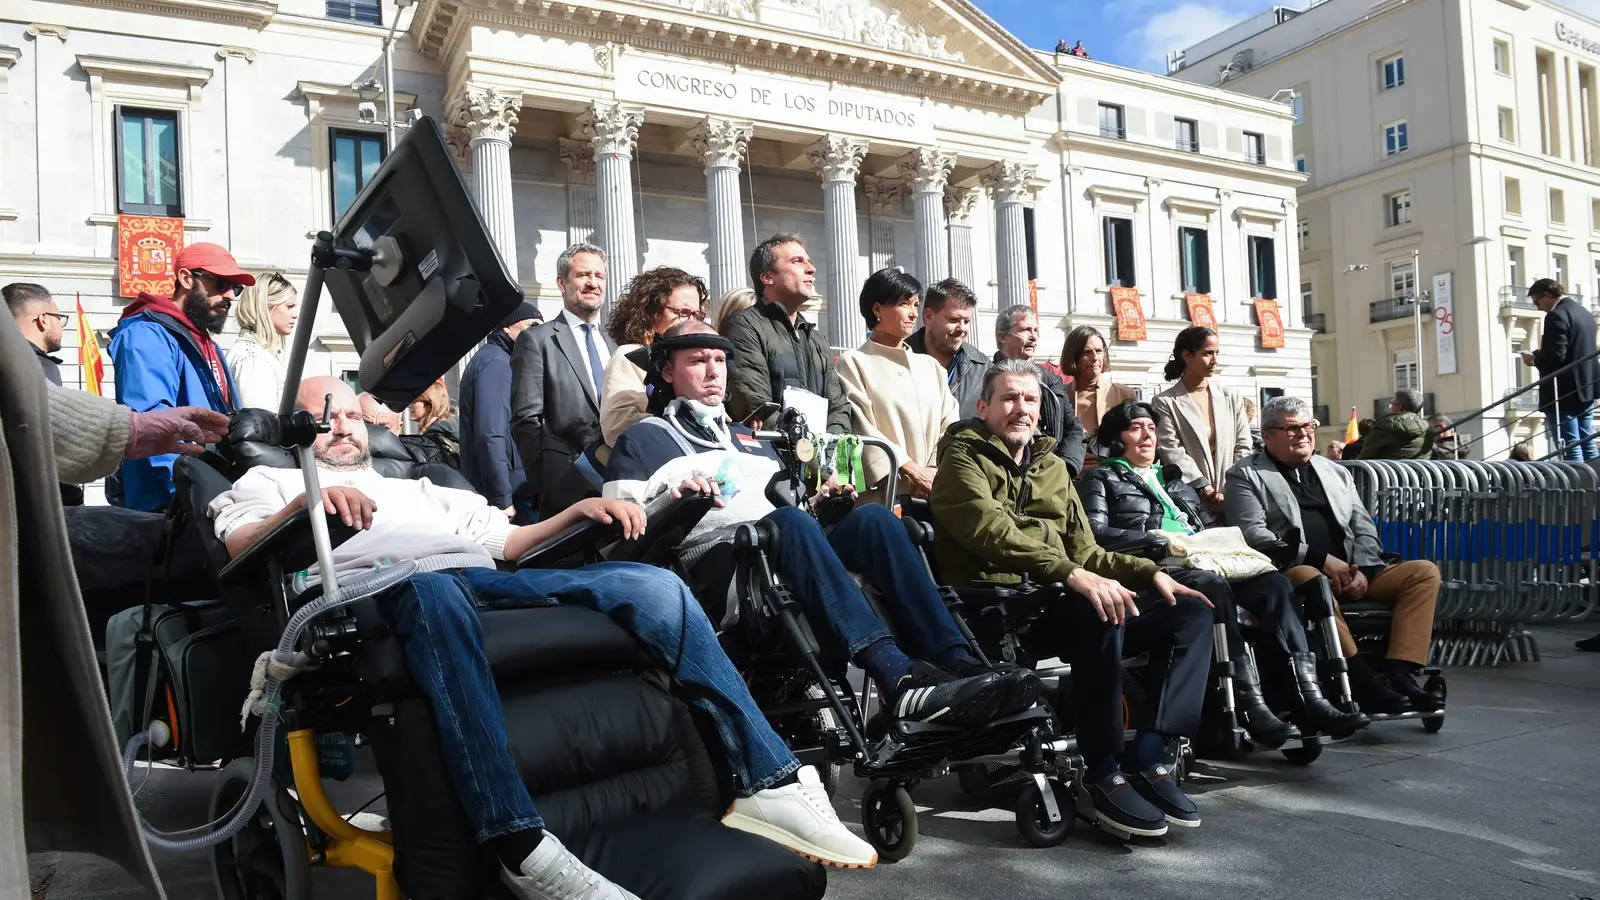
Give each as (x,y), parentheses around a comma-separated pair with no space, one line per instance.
(437,285)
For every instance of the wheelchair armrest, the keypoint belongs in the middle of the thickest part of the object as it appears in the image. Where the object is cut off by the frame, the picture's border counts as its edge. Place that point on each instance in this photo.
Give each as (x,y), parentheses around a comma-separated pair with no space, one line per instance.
(577,540)
(289,542)
(668,520)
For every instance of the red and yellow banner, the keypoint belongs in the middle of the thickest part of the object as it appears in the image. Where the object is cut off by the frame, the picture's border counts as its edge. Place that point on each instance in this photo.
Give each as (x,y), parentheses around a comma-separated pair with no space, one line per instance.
(1200,311)
(1352,432)
(94,371)
(1033,295)
(1130,315)
(147,247)
(1271,323)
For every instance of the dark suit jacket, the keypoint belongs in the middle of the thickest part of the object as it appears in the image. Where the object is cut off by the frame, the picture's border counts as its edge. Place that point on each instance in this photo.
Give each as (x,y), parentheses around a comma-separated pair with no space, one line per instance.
(1568,336)
(555,414)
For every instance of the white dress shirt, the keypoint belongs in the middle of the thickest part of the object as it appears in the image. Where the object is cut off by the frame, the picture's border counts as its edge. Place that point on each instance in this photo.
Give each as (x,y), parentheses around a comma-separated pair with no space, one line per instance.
(577,325)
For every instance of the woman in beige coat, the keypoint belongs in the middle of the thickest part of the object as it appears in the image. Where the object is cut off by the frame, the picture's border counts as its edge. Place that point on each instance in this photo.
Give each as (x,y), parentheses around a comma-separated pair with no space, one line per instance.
(653,301)
(1203,429)
(1084,358)
(895,394)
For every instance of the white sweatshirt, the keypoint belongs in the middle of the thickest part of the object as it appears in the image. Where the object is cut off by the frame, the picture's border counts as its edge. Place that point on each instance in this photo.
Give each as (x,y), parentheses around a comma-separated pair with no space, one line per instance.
(414,518)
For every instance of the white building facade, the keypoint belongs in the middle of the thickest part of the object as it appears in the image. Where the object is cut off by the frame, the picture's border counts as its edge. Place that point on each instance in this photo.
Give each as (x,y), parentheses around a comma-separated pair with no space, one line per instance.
(670,133)
(1461,135)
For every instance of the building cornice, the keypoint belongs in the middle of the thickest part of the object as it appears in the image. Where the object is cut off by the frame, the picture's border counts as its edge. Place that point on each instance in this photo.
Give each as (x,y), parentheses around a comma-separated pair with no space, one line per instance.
(1182,159)
(1070,67)
(251,13)
(323,92)
(144,70)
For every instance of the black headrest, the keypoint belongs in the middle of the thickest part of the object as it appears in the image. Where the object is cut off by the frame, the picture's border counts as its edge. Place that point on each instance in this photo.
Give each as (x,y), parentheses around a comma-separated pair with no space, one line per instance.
(254,440)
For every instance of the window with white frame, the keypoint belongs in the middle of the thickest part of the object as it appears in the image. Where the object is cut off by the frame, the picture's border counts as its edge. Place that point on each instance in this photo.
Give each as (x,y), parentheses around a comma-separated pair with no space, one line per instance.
(1117,234)
(1194,260)
(1316,387)
(1186,135)
(149,173)
(1402,278)
(1395,138)
(1513,197)
(1297,107)
(1558,206)
(1594,215)
(1308,298)
(1111,121)
(1502,56)
(1263,261)
(1303,233)
(1405,370)
(1394,72)
(355,158)
(1508,125)
(1397,209)
(1516,265)
(366,12)
(1558,267)
(1255,148)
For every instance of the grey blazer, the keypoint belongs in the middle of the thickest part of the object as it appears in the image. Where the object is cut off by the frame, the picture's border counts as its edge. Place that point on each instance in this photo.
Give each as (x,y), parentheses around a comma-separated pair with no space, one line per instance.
(555,414)
(1260,503)
(1180,432)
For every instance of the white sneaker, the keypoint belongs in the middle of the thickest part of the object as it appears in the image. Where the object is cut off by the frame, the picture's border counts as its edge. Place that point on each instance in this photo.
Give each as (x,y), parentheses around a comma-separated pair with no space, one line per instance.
(800,817)
(551,872)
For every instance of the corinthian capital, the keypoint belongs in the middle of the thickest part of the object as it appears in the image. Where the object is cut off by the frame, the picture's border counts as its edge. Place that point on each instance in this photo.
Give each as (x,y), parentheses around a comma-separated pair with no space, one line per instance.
(883,195)
(838,158)
(927,169)
(958,204)
(611,130)
(488,113)
(721,144)
(1009,181)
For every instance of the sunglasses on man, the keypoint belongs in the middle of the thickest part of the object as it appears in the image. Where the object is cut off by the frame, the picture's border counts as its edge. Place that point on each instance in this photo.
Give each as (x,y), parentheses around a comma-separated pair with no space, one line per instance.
(223,285)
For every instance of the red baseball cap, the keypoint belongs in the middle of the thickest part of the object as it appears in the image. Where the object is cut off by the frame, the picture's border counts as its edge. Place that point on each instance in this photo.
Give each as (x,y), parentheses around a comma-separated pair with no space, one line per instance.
(215,259)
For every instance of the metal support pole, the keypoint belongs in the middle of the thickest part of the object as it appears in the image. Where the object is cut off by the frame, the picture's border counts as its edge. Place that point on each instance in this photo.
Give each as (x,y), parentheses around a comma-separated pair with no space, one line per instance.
(1416,309)
(320,249)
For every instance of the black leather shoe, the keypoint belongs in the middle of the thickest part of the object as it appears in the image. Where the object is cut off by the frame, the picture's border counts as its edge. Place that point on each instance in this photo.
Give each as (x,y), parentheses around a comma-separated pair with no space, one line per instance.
(1157,785)
(1317,713)
(1265,728)
(1422,700)
(1121,808)
(1374,692)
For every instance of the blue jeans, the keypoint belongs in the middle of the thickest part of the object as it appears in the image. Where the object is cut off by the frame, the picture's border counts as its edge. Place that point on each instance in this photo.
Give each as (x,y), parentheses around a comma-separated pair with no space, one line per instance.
(871,541)
(1568,430)
(437,617)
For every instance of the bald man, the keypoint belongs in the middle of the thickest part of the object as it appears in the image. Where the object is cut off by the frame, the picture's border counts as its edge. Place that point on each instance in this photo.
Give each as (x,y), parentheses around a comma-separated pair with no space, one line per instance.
(435,614)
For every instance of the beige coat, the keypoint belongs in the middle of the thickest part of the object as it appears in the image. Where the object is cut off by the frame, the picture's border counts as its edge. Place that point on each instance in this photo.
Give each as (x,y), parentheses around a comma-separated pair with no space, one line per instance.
(1181,434)
(900,396)
(622,398)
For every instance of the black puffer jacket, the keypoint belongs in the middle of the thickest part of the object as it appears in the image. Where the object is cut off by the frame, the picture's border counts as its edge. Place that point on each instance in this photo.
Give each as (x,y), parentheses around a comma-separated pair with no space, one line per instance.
(1123,510)
(441,443)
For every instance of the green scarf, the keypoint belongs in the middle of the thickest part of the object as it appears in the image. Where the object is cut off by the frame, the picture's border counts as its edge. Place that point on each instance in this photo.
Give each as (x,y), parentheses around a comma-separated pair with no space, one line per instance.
(1172,518)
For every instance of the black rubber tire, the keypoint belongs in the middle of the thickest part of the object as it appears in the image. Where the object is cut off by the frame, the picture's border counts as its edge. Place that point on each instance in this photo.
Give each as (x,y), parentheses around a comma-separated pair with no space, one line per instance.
(973,780)
(268,858)
(1303,755)
(890,820)
(1432,724)
(1034,824)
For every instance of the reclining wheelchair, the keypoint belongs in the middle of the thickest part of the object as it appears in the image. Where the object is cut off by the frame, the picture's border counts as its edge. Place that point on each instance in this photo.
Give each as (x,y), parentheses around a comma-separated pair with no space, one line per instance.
(616,762)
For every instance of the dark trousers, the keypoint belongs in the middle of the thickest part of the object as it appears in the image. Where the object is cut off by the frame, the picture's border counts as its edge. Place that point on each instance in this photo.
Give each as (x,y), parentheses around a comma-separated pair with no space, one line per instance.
(1178,639)
(1268,598)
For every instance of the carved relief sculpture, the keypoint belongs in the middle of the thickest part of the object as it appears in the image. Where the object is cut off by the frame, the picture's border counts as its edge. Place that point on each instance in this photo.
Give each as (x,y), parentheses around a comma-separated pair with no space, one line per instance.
(860,21)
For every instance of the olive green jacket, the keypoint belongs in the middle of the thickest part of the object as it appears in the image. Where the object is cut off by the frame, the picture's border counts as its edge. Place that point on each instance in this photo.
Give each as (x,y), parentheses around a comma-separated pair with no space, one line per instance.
(995,522)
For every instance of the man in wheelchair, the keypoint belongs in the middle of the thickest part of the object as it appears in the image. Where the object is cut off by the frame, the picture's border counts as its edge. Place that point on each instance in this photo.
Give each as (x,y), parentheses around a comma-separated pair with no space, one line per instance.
(436,616)
(1129,498)
(690,436)
(1304,512)
(1004,508)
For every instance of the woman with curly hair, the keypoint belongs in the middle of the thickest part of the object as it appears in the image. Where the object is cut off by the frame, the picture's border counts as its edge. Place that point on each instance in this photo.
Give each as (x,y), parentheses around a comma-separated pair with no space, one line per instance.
(653,301)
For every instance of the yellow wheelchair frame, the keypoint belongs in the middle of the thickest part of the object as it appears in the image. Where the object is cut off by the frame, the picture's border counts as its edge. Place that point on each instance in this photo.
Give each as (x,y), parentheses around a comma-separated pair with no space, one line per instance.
(348,846)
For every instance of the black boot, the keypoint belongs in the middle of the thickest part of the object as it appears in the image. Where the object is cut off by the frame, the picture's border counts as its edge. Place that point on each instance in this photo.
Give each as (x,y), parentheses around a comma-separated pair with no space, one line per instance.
(1321,715)
(1254,714)
(1373,691)
(1401,675)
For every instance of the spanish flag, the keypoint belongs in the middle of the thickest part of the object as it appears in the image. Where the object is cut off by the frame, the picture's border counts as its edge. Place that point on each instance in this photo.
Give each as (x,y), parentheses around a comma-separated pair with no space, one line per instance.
(1352,432)
(89,353)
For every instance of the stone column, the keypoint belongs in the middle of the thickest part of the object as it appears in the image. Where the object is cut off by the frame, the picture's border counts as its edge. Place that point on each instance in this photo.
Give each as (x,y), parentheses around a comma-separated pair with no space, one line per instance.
(489,116)
(579,159)
(721,146)
(927,170)
(1008,183)
(958,215)
(838,160)
(883,198)
(612,133)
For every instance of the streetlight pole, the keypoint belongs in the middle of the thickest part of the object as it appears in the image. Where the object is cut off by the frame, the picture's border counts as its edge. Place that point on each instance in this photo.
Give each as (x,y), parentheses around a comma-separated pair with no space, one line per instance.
(1416,308)
(388,74)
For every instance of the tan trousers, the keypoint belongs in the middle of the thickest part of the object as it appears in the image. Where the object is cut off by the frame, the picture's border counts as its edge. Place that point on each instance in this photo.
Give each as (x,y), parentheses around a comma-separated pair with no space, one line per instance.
(1412,588)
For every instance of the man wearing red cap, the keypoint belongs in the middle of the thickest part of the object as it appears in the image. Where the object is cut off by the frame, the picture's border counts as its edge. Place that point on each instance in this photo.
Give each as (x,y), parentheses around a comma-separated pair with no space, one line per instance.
(165,357)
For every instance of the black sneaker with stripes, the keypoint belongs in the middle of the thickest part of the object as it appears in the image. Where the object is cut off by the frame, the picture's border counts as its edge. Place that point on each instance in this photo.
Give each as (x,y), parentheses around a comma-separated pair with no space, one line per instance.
(934,697)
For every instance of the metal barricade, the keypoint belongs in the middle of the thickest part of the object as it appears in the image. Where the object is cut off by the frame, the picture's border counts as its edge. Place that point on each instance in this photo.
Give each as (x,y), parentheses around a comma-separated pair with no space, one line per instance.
(1517,543)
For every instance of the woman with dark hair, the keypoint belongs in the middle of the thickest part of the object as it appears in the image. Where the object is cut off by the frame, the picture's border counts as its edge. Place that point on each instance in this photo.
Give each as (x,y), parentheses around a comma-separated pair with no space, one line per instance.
(1203,427)
(1084,358)
(895,394)
(653,301)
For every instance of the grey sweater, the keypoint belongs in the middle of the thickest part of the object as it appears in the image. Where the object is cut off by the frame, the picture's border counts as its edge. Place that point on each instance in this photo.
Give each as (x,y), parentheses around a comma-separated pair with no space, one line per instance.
(89,434)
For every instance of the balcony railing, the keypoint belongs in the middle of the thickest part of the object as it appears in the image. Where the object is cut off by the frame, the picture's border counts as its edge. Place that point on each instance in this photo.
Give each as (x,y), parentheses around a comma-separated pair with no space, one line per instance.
(1317,322)
(1321,414)
(1515,296)
(1116,132)
(1187,146)
(1380,406)
(1389,309)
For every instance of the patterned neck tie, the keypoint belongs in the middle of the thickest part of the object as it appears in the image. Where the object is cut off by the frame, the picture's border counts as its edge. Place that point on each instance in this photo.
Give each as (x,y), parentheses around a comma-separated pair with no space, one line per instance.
(597,369)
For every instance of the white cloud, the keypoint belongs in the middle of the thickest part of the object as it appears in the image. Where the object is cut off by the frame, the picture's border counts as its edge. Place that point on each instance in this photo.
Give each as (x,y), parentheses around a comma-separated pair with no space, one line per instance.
(1161,32)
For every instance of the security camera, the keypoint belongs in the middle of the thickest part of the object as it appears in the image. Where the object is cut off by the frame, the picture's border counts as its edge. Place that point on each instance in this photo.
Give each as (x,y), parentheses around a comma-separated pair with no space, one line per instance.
(367,111)
(413,116)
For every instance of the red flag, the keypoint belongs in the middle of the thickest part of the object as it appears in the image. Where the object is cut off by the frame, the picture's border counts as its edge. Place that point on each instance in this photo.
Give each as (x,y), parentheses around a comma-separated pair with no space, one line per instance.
(94,370)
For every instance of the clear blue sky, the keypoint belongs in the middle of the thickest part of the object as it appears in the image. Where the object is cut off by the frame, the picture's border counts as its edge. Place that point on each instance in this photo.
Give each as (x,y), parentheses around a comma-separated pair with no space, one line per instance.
(1139,33)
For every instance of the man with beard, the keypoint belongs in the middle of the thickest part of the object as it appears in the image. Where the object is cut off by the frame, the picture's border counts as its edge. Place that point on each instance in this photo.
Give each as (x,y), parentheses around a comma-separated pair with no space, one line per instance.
(947,310)
(40,321)
(1016,331)
(165,356)
(556,371)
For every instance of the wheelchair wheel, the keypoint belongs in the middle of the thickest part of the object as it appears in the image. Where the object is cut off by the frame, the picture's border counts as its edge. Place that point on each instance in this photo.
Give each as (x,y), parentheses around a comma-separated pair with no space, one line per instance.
(1432,724)
(267,859)
(973,779)
(889,819)
(1033,821)
(1303,755)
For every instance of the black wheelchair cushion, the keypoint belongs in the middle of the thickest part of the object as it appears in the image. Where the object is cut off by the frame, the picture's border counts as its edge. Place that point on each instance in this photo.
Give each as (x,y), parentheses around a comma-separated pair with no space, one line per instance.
(553,641)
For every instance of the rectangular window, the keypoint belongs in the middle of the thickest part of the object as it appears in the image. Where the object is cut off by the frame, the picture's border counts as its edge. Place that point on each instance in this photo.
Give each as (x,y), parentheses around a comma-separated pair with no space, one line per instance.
(1405,370)
(1402,279)
(149,174)
(1394,72)
(1594,217)
(1255,148)
(356,157)
(1516,266)
(1117,234)
(1513,197)
(365,12)
(1308,301)
(1558,206)
(1186,135)
(1297,107)
(1395,139)
(1397,209)
(1029,242)
(1111,121)
(1558,263)
(1300,163)
(1316,387)
(1502,57)
(1194,260)
(1303,233)
(1508,124)
(1263,268)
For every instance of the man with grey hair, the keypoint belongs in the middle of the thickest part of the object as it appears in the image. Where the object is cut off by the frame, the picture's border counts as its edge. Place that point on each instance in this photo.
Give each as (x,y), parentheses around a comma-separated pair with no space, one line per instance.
(1016,331)
(1403,433)
(556,372)
(1304,512)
